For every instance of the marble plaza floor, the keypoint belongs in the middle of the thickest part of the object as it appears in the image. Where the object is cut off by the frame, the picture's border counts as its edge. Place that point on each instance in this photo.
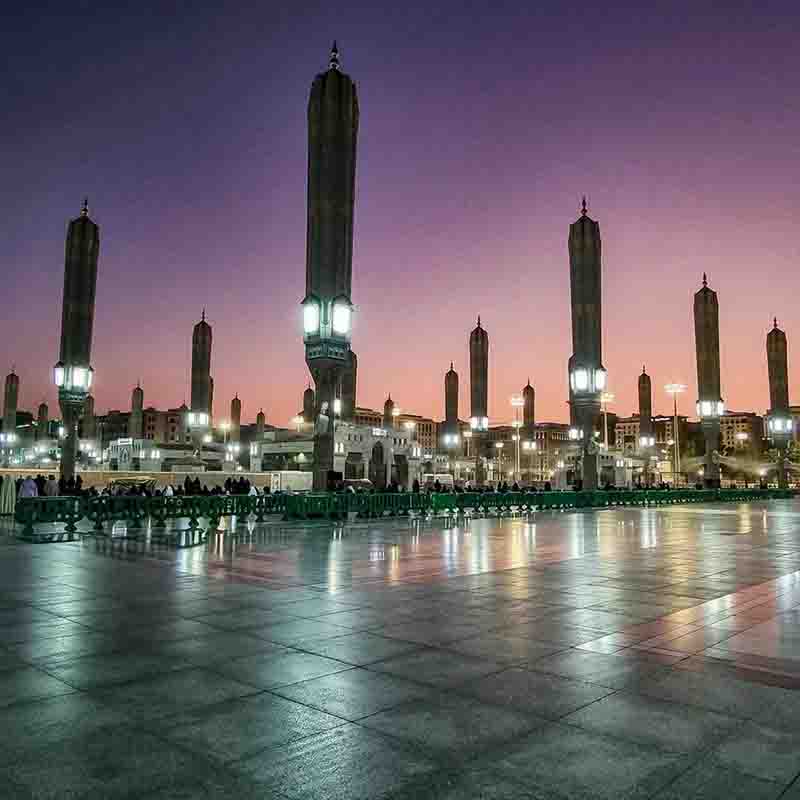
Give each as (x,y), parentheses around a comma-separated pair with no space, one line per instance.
(609,654)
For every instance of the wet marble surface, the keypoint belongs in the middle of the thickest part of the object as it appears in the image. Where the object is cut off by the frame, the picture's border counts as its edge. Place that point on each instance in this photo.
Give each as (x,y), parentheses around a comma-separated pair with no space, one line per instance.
(616,653)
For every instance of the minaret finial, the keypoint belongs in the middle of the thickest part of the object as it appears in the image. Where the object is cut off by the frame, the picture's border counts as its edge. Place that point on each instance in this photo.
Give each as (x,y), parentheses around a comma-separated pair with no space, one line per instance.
(334,62)
(451,366)
(775,322)
(584,212)
(203,315)
(479,320)
(529,380)
(705,280)
(85,208)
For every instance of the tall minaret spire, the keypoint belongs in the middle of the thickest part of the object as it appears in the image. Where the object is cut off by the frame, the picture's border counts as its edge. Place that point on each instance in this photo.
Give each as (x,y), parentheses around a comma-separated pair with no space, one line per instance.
(327,304)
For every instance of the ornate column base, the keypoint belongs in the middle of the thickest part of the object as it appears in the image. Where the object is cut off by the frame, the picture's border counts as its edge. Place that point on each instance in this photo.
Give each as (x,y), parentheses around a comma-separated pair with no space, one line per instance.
(326,381)
(69,445)
(711,479)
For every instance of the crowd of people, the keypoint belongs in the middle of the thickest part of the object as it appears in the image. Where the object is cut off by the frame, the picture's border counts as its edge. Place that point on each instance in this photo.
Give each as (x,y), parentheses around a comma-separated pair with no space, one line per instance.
(49,486)
(42,486)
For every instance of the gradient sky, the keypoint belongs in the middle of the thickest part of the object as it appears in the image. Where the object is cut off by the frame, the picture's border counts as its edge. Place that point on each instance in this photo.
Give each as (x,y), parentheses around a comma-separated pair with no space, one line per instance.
(481,127)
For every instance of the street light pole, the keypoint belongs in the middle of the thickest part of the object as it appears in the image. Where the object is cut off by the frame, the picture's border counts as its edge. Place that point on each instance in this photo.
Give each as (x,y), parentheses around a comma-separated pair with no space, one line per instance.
(499,448)
(517,402)
(675,389)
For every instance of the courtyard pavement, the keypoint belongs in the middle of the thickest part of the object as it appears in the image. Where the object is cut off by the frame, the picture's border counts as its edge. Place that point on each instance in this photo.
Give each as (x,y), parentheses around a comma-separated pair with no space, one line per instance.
(603,654)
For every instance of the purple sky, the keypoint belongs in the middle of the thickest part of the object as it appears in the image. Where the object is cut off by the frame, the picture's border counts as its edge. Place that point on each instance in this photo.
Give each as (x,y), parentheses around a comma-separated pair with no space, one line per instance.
(481,127)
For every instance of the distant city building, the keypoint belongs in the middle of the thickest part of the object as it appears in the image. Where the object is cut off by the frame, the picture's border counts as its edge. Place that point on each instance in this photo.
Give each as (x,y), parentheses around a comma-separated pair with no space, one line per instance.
(627,432)
(423,430)
(361,452)
(742,431)
(368,416)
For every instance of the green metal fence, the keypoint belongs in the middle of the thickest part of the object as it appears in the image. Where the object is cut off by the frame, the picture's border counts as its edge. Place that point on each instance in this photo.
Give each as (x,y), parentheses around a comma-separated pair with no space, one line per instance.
(42,518)
(57,518)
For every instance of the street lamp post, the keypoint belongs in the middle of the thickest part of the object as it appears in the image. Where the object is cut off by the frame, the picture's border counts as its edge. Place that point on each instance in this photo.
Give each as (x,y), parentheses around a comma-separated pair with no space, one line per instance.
(517,402)
(675,389)
(499,447)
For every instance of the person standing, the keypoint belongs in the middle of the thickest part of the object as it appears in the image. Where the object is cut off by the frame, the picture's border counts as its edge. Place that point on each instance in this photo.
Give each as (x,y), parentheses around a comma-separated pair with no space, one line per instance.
(28,488)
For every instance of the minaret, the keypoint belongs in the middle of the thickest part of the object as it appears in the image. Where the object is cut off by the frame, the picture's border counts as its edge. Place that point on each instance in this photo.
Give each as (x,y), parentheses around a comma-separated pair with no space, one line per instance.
(451,400)
(645,405)
(89,426)
(586,372)
(479,377)
(779,418)
(201,367)
(236,419)
(778,368)
(42,422)
(709,400)
(73,373)
(308,405)
(349,383)
(388,413)
(10,399)
(136,424)
(528,409)
(646,438)
(327,306)
(479,395)
(261,422)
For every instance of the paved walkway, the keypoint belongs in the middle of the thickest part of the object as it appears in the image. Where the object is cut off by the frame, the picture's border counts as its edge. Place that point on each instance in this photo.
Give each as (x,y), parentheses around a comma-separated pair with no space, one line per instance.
(621,653)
